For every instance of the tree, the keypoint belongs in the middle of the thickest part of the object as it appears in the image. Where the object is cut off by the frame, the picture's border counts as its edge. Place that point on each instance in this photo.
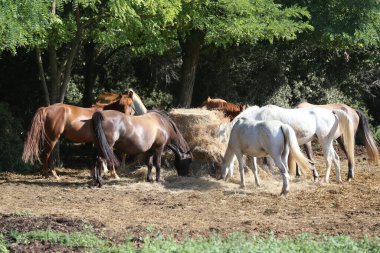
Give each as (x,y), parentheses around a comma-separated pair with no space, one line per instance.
(58,28)
(223,23)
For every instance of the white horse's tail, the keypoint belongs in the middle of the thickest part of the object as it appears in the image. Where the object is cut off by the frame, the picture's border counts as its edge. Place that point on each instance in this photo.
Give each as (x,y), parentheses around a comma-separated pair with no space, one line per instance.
(223,132)
(295,151)
(347,129)
(228,163)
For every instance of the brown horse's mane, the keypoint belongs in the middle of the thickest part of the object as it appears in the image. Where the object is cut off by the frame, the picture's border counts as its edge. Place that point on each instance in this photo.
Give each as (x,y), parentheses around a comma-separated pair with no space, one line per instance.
(180,142)
(118,104)
(108,97)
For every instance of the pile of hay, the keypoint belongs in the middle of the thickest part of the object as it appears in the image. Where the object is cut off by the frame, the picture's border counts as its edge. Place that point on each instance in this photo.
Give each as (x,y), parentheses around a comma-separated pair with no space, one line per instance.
(198,127)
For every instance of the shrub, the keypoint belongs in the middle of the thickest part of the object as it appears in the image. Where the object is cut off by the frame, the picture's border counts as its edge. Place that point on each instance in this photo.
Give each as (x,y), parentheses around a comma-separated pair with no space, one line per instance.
(11,143)
(377,133)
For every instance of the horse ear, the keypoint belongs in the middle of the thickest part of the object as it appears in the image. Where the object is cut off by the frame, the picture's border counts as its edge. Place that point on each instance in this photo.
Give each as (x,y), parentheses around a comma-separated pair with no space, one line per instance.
(130,93)
(208,98)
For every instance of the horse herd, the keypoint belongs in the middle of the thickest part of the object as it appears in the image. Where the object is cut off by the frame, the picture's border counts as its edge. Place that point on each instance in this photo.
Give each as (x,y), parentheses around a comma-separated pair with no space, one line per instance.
(127,126)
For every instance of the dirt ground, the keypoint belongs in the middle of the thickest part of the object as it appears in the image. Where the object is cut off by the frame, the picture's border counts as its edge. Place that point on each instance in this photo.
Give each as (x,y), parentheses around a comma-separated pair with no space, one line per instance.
(193,206)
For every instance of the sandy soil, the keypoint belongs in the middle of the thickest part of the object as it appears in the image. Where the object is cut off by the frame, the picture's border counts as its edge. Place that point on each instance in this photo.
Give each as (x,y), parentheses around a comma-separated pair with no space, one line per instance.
(199,205)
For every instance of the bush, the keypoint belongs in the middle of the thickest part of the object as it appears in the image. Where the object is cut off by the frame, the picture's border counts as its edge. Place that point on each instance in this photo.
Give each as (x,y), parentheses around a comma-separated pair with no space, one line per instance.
(11,143)
(377,133)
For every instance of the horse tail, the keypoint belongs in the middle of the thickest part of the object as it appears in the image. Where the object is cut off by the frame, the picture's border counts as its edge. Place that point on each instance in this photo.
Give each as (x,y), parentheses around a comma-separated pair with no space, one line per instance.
(295,151)
(367,136)
(35,137)
(105,148)
(228,163)
(180,141)
(346,127)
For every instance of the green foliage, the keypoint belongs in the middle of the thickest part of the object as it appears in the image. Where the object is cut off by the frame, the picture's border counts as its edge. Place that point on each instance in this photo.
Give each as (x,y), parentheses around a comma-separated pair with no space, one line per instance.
(242,21)
(377,133)
(3,245)
(76,239)
(11,143)
(22,23)
(157,99)
(235,242)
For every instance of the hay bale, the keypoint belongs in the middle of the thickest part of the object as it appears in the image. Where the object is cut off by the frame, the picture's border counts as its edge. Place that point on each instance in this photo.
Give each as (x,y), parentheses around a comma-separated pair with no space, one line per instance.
(198,127)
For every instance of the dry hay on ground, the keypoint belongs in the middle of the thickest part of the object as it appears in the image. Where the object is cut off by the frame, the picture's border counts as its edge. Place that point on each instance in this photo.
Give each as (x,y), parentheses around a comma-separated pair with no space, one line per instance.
(198,127)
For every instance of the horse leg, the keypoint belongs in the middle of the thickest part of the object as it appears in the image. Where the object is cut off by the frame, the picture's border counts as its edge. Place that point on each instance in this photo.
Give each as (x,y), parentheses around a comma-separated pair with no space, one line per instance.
(336,162)
(157,163)
(270,164)
(328,157)
(149,177)
(309,154)
(254,170)
(98,172)
(267,164)
(113,173)
(122,166)
(350,175)
(49,146)
(241,170)
(285,175)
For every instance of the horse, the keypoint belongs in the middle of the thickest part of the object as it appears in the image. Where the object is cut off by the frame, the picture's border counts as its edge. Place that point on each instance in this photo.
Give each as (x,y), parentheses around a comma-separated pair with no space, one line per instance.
(361,126)
(230,110)
(259,139)
(139,109)
(146,134)
(309,123)
(73,122)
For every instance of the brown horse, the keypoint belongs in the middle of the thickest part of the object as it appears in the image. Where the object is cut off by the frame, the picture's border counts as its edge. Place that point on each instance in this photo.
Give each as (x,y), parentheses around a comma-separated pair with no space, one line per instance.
(230,110)
(361,126)
(73,122)
(146,134)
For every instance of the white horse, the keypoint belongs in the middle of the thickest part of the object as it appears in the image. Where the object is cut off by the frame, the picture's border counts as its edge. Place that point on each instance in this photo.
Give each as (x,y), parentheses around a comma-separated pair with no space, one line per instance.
(309,123)
(138,105)
(259,139)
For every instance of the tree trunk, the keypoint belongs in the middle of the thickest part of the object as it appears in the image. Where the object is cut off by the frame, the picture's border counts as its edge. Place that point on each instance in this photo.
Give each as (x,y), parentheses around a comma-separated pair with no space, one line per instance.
(41,73)
(89,74)
(190,57)
(54,75)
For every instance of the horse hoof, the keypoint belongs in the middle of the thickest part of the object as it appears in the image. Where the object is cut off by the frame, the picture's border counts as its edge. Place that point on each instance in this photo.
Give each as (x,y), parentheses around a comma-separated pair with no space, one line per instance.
(149,180)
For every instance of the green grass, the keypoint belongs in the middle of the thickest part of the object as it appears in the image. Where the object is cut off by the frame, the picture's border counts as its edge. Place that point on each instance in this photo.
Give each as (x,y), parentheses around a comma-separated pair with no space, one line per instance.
(3,245)
(235,242)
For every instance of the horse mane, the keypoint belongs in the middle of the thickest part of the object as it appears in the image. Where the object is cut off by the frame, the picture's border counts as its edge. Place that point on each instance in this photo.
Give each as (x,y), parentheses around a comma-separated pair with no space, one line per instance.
(137,102)
(108,97)
(180,141)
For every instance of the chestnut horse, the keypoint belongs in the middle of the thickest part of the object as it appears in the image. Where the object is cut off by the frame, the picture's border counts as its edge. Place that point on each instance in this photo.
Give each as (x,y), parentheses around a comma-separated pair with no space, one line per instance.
(73,122)
(146,134)
(361,126)
(230,110)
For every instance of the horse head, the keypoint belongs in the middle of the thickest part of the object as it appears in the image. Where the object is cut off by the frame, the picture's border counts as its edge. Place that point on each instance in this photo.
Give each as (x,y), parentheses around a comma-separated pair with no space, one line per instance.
(126,103)
(243,107)
(182,160)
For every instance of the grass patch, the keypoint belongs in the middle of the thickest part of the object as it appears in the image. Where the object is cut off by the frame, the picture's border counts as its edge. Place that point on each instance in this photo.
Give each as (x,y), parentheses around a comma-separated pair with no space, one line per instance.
(3,245)
(24,213)
(236,242)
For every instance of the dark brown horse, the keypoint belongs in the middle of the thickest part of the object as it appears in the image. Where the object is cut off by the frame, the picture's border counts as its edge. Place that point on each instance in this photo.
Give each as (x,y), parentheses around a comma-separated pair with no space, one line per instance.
(73,122)
(146,134)
(230,110)
(361,126)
